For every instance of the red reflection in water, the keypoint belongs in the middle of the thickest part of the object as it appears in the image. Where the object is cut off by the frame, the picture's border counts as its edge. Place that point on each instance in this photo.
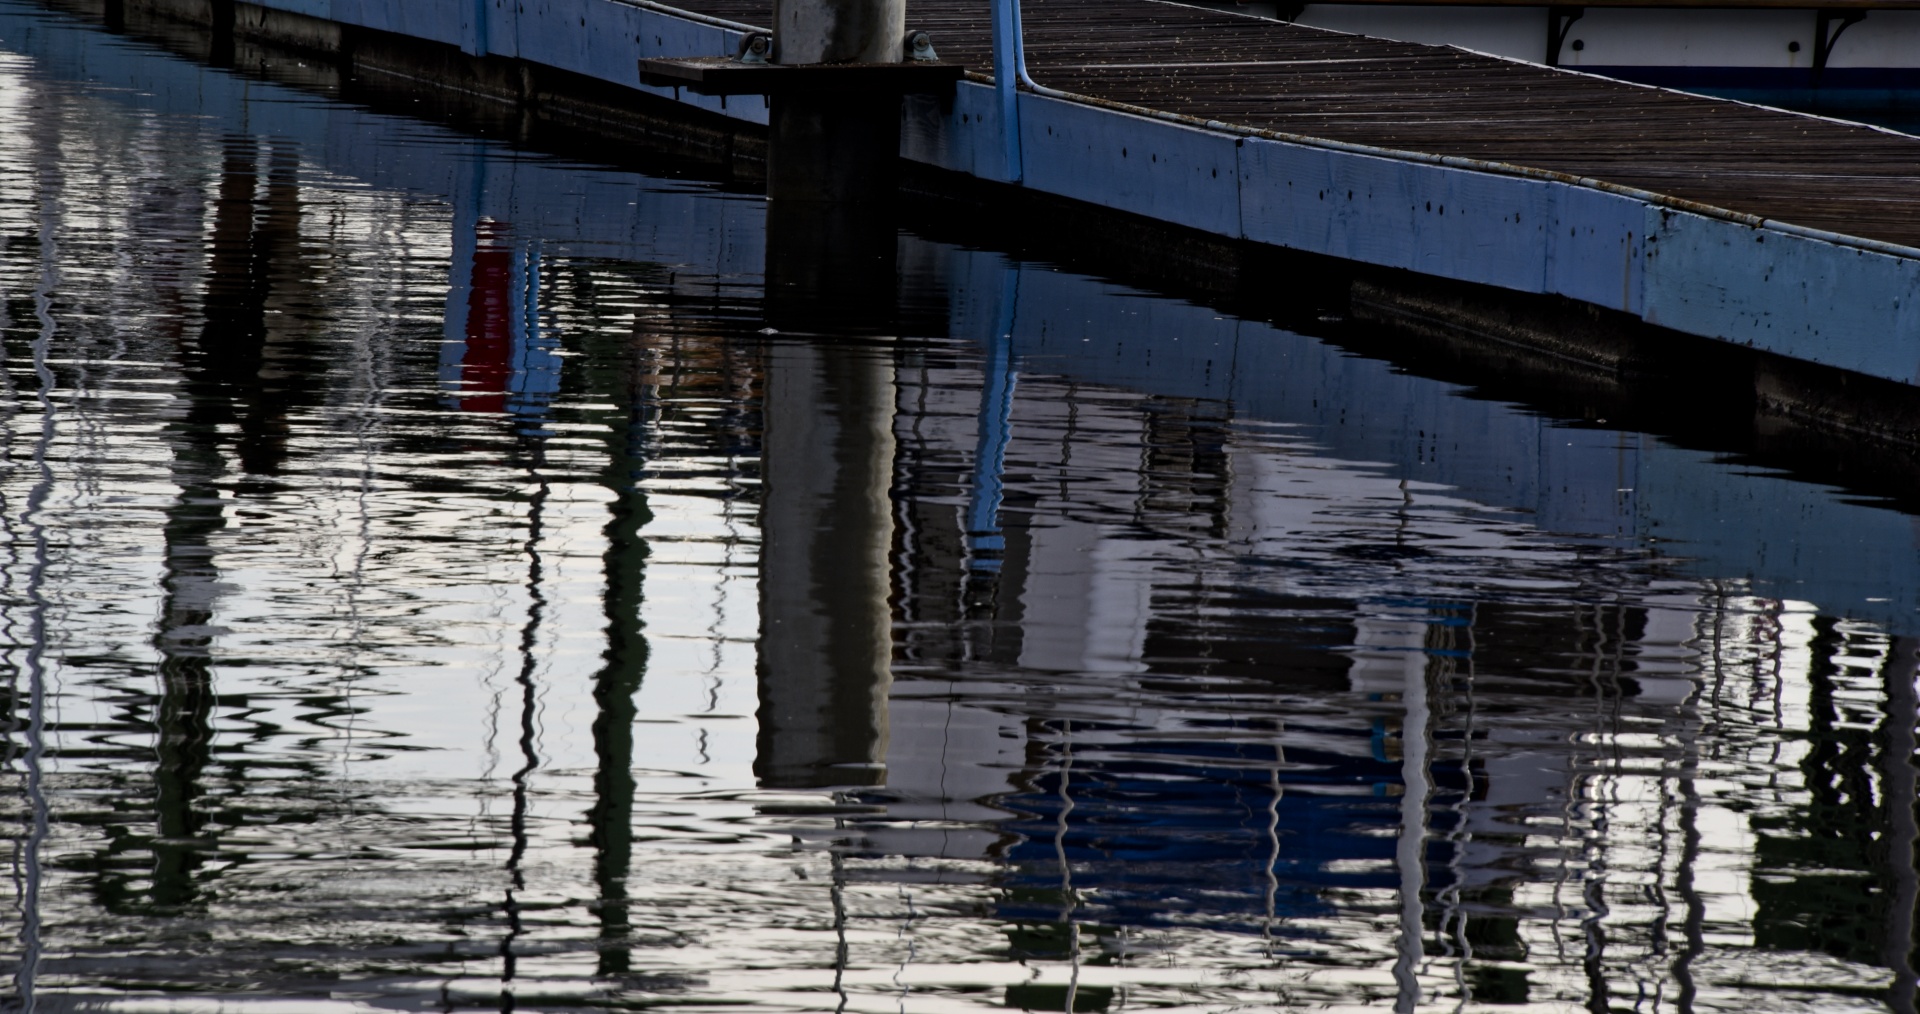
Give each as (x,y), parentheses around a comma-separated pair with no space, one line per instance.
(488,363)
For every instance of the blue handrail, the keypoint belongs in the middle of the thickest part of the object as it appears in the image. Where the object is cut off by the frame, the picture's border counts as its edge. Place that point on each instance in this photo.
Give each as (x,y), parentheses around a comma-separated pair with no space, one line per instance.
(1009,72)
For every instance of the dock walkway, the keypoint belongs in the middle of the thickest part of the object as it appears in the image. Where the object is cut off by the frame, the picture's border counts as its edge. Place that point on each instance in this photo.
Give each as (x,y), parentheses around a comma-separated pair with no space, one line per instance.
(1270,75)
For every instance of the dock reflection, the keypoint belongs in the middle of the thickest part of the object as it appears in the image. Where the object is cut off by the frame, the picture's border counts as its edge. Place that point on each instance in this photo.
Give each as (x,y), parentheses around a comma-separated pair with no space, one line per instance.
(475,598)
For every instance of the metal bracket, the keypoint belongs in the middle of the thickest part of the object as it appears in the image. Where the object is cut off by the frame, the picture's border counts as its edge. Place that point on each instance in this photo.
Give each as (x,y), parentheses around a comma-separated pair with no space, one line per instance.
(1827,26)
(755,48)
(1559,22)
(920,47)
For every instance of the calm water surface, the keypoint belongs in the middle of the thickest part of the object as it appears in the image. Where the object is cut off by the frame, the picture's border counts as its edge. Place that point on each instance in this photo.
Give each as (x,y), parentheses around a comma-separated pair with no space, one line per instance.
(429,584)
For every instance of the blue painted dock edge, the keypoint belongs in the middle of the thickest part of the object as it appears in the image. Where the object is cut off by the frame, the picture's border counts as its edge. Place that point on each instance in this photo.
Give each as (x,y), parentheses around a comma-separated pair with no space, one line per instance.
(1816,297)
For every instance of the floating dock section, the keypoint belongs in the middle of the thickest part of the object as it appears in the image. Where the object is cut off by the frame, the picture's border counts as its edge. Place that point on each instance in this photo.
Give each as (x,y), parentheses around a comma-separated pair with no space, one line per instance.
(1774,231)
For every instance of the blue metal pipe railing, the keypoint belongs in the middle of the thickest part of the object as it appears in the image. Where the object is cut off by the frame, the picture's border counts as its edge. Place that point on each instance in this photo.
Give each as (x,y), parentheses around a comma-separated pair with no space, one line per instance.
(1009,72)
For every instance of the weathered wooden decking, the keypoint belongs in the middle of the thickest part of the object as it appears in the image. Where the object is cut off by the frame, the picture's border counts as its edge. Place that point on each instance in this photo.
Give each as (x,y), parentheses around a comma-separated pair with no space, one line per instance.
(1266,74)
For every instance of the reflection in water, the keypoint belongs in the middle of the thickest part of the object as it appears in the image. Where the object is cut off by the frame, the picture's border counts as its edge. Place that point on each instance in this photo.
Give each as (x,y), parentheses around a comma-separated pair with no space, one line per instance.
(427,585)
(826,529)
(625,658)
(28,648)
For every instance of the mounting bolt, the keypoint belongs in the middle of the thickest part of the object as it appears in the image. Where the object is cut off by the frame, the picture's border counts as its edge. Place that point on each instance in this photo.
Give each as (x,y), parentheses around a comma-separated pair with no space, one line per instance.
(920,46)
(756,48)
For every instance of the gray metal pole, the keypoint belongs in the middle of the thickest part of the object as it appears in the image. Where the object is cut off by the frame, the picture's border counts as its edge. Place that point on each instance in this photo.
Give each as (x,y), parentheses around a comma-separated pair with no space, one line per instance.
(836,146)
(832,162)
(839,31)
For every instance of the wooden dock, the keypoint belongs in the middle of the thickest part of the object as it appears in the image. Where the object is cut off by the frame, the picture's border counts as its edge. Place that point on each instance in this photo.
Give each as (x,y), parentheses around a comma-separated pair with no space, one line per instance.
(1271,75)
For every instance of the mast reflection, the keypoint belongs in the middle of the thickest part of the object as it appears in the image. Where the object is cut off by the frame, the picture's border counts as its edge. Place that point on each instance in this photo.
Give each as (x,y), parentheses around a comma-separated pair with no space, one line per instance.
(610,819)
(240,374)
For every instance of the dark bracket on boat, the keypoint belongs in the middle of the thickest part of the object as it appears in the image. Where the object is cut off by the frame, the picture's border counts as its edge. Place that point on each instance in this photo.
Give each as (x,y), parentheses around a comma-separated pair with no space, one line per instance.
(1560,21)
(1827,26)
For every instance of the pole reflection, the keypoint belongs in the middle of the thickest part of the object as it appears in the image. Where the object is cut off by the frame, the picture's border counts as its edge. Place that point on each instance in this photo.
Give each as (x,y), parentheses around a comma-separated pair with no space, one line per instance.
(826,646)
(29,858)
